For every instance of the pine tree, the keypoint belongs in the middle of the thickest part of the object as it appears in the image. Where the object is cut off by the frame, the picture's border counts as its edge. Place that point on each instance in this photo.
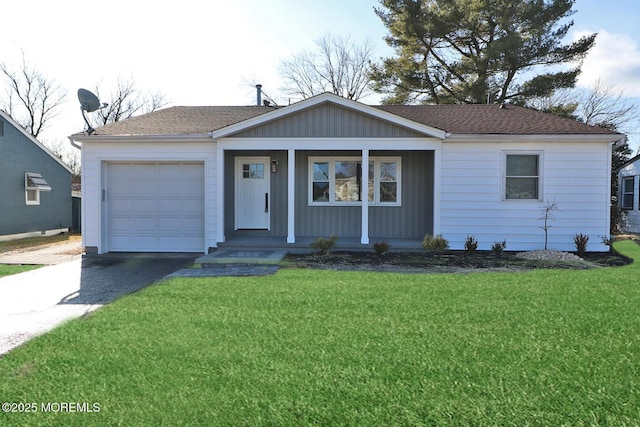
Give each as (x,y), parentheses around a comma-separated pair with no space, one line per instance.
(471,51)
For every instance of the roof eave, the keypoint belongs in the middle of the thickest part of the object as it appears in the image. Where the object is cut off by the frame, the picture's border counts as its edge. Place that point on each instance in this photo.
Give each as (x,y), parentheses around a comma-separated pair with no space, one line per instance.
(568,138)
(169,138)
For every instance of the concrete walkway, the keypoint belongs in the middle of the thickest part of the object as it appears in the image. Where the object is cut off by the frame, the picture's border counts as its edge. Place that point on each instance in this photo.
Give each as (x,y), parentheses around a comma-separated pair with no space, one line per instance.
(30,302)
(235,262)
(72,285)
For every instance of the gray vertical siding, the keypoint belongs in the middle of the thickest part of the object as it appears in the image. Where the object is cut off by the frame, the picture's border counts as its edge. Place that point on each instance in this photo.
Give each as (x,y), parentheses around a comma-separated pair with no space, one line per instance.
(413,219)
(278,188)
(18,155)
(328,121)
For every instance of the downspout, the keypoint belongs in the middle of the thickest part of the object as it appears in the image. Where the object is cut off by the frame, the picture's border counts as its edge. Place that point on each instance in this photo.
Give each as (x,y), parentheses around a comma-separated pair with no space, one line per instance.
(73,144)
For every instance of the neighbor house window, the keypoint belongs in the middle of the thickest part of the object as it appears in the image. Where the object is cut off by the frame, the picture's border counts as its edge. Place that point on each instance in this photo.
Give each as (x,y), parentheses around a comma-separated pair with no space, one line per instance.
(1,128)
(338,181)
(34,183)
(522,176)
(627,192)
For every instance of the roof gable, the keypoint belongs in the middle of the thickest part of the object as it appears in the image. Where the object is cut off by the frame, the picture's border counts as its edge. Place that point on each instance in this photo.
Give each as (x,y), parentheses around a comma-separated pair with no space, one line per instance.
(318,111)
(328,120)
(31,138)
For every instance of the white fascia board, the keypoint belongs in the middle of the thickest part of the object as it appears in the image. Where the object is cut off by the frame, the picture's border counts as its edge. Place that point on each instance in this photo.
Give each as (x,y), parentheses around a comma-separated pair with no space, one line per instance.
(204,138)
(333,144)
(335,99)
(573,138)
(13,123)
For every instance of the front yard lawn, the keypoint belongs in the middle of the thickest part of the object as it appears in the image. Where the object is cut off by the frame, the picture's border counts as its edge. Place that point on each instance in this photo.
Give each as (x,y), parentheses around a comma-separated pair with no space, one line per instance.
(317,347)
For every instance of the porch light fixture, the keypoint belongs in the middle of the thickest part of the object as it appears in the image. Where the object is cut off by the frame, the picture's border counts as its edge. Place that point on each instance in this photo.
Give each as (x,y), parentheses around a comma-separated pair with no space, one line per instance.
(274,166)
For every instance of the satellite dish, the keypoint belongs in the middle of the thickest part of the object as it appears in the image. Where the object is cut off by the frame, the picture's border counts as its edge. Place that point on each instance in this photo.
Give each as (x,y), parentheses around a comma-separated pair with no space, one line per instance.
(89,103)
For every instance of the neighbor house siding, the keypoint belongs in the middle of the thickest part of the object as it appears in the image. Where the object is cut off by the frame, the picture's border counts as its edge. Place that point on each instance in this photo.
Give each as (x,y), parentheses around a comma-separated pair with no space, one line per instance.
(630,217)
(573,176)
(95,156)
(328,121)
(19,154)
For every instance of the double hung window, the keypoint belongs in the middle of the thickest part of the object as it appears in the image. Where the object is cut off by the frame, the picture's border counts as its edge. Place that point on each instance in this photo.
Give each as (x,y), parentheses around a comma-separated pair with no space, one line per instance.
(338,181)
(627,192)
(522,176)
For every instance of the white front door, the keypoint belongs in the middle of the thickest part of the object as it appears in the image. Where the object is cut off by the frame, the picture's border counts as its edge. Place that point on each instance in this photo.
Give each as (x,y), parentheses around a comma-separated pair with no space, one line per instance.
(252,193)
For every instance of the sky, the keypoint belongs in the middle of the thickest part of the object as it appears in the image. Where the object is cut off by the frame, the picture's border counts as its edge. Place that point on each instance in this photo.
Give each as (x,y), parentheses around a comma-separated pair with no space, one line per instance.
(211,52)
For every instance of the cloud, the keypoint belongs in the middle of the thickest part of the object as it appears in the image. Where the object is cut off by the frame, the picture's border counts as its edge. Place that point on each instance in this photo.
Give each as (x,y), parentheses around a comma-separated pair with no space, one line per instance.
(615,60)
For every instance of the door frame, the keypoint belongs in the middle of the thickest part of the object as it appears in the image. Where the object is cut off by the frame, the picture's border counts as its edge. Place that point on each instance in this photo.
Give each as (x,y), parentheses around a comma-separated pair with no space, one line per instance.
(238,161)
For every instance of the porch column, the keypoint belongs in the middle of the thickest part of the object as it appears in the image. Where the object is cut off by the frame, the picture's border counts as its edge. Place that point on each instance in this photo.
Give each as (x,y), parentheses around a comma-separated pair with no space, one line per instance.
(220,195)
(437,168)
(365,197)
(291,195)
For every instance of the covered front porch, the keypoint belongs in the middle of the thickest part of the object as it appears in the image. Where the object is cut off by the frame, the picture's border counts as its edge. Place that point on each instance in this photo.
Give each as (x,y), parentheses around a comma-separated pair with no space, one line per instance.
(297,213)
(327,166)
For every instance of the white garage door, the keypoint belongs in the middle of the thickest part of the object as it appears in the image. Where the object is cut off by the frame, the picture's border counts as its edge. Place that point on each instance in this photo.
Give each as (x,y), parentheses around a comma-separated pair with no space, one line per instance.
(155,207)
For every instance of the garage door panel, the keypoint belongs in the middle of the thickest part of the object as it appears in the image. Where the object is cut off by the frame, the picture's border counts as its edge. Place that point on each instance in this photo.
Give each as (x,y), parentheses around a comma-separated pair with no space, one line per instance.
(159,208)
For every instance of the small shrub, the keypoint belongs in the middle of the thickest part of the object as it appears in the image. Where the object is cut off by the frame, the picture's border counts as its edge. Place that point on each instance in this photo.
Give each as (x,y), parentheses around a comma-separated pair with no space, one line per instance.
(435,244)
(324,246)
(581,241)
(381,248)
(470,245)
(498,248)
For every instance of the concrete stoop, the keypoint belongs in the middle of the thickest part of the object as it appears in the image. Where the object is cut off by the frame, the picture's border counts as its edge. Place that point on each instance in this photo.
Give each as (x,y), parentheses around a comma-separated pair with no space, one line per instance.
(235,262)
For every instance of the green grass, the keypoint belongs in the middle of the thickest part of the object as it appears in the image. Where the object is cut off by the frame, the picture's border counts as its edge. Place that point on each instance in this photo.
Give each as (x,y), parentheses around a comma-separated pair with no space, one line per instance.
(9,269)
(310,347)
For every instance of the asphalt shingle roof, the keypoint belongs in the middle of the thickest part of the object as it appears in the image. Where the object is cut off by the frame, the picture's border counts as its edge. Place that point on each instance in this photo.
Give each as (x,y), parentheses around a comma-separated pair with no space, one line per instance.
(455,119)
(491,119)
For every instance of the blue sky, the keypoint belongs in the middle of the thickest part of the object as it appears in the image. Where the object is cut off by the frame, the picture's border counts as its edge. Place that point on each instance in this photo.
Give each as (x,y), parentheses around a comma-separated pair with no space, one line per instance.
(205,53)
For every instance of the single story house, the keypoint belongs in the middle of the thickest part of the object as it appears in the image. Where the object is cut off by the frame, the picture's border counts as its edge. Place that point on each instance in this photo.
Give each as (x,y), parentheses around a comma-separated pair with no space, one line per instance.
(35,185)
(192,179)
(628,190)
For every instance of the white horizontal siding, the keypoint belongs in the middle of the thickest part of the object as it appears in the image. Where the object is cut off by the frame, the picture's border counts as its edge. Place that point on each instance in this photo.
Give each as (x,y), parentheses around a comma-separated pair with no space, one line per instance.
(574,176)
(94,155)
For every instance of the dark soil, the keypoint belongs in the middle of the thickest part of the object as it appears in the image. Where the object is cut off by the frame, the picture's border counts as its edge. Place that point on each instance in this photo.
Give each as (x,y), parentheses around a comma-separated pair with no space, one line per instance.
(450,261)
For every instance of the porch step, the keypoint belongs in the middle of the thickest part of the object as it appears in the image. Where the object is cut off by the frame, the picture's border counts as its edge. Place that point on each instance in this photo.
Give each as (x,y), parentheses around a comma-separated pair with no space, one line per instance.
(241,257)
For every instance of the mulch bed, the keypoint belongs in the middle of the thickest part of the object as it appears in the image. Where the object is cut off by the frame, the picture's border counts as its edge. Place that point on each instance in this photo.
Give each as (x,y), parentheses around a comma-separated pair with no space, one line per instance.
(449,261)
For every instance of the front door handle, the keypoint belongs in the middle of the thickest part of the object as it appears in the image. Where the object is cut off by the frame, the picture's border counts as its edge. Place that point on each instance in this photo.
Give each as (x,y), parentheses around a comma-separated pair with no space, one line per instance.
(266,202)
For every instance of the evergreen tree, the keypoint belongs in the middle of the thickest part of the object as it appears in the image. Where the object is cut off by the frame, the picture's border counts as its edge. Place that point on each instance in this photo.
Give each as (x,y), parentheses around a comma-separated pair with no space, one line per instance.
(472,51)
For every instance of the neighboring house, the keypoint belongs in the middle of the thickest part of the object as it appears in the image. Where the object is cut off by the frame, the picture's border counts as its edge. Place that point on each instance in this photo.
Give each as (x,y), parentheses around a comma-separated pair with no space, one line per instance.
(35,185)
(628,190)
(195,178)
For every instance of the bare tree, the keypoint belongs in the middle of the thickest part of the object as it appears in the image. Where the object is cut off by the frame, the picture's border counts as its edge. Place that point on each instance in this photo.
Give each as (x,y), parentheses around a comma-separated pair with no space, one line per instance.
(607,107)
(32,98)
(69,156)
(336,65)
(126,101)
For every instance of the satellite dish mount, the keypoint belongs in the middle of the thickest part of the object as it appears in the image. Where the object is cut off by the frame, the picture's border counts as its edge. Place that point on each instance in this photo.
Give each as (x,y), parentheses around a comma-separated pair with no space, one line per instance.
(88,104)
